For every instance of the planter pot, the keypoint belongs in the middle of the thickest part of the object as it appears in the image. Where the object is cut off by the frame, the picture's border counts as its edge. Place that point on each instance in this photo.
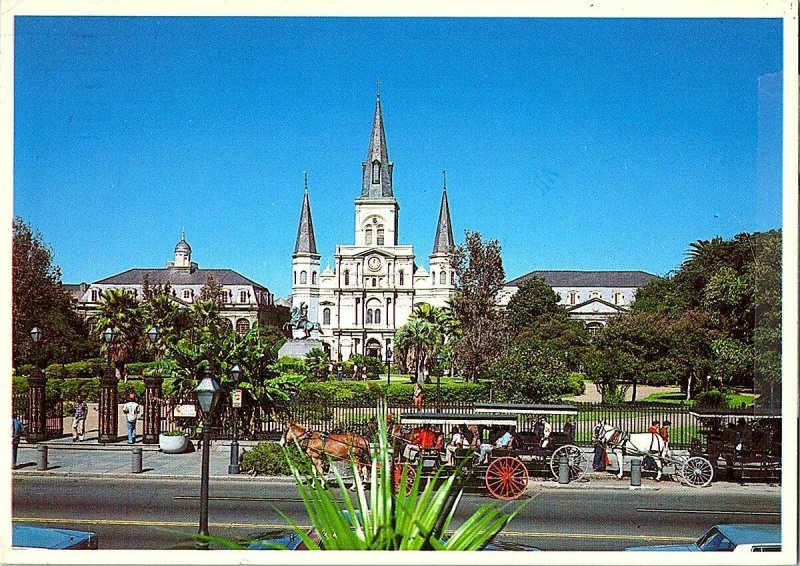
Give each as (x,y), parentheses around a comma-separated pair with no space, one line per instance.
(173,444)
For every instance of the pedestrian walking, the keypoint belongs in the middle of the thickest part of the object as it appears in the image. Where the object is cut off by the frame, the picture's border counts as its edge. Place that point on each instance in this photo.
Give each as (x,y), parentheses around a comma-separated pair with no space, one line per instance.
(417,394)
(664,432)
(79,419)
(16,438)
(131,410)
(599,461)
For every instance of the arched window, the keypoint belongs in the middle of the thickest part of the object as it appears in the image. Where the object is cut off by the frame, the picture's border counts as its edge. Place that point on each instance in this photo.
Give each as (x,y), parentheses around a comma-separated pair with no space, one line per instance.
(368,237)
(452,278)
(242,326)
(376,171)
(295,278)
(433,278)
(313,277)
(374,282)
(347,277)
(377,316)
(380,236)
(369,316)
(402,277)
(303,277)
(443,277)
(326,316)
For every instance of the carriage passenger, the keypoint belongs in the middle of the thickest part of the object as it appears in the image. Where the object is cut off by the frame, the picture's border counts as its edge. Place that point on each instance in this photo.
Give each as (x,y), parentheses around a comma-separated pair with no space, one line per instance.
(456,442)
(569,431)
(546,430)
(503,442)
(654,427)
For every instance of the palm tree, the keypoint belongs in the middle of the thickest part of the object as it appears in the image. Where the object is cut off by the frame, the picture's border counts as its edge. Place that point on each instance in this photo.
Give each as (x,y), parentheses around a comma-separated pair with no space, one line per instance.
(317,363)
(416,341)
(119,311)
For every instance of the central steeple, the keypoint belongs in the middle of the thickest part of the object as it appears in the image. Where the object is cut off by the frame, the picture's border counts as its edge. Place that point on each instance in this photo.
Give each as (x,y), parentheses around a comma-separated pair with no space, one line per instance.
(377,169)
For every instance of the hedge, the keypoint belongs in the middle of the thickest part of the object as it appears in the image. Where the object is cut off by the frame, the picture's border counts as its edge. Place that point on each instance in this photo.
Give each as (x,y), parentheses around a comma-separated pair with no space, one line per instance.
(69,389)
(270,459)
(398,393)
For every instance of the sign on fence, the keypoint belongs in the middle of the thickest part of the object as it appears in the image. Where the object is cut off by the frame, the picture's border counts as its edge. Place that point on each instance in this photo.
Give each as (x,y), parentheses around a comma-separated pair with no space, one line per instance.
(185,411)
(236,398)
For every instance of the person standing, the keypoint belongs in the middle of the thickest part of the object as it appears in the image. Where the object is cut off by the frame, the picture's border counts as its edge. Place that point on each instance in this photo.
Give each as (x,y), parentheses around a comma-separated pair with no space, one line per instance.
(654,427)
(417,394)
(79,419)
(16,438)
(664,432)
(599,461)
(131,410)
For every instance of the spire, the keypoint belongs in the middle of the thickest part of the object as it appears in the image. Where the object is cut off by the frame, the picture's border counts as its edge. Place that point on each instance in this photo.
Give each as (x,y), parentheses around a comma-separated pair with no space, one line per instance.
(306,243)
(443,242)
(377,169)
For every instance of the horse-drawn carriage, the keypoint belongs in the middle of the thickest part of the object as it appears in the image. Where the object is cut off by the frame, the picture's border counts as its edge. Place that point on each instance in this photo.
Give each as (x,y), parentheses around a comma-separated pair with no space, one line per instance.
(740,445)
(503,472)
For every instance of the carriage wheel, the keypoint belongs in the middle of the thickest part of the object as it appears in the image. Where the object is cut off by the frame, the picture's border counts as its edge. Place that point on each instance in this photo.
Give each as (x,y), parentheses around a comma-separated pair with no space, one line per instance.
(397,476)
(578,463)
(697,471)
(506,478)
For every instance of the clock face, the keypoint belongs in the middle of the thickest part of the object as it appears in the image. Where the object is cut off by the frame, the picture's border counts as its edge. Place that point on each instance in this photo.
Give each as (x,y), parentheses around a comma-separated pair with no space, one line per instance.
(374,263)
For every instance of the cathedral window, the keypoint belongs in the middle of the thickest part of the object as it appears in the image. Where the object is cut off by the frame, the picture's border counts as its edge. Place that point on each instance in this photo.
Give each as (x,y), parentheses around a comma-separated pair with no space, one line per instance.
(369,316)
(377,316)
(347,277)
(368,237)
(295,278)
(242,326)
(358,307)
(402,277)
(374,282)
(433,278)
(326,316)
(376,172)
(443,278)
(380,236)
(452,278)
(303,277)
(313,277)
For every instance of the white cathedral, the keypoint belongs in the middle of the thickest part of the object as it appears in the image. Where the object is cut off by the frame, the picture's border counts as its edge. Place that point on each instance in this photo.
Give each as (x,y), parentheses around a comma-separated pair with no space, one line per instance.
(375,282)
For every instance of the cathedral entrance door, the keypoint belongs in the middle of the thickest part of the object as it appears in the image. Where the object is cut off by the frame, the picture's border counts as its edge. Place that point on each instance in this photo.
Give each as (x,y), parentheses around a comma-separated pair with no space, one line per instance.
(374,349)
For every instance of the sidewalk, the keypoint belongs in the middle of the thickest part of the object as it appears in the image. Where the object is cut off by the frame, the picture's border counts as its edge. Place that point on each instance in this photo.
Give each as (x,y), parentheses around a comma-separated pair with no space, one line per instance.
(92,459)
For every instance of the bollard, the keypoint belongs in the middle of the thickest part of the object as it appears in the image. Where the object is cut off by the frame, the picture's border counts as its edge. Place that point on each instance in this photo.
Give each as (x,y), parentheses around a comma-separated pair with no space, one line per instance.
(636,472)
(563,470)
(41,460)
(136,463)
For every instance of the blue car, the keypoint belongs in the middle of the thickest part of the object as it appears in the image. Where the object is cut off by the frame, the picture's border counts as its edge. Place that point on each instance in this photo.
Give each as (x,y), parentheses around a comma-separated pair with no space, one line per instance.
(727,538)
(26,536)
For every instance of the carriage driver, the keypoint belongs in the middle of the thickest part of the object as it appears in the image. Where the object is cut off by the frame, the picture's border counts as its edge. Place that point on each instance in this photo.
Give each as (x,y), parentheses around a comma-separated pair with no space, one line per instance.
(502,442)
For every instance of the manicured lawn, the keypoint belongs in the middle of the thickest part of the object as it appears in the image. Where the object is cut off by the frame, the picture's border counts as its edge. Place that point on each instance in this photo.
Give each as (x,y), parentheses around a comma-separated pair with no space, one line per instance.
(676,398)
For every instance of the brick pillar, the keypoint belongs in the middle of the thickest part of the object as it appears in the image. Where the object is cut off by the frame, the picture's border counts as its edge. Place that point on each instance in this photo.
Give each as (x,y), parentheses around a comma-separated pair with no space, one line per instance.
(37,408)
(108,406)
(152,409)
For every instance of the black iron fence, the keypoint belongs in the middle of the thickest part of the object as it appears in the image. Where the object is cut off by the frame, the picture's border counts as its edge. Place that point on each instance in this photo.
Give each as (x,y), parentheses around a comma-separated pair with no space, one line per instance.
(356,416)
(54,414)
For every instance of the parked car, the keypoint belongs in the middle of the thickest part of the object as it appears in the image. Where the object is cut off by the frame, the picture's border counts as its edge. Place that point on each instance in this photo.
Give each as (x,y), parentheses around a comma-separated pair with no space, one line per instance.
(727,538)
(27,536)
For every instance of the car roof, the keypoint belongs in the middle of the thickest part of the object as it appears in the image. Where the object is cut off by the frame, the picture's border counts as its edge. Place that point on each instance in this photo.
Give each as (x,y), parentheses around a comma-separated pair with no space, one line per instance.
(751,533)
(43,537)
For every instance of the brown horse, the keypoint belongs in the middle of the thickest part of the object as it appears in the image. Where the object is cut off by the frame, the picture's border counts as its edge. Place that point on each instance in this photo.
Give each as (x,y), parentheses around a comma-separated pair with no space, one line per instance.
(321,447)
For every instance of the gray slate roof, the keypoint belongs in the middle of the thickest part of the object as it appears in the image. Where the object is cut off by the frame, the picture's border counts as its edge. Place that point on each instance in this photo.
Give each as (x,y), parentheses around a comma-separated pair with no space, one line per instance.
(377,152)
(306,242)
(587,278)
(443,242)
(179,276)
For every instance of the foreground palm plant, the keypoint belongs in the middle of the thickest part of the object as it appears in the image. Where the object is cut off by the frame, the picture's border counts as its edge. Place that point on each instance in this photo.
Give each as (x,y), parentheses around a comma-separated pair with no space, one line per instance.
(389,519)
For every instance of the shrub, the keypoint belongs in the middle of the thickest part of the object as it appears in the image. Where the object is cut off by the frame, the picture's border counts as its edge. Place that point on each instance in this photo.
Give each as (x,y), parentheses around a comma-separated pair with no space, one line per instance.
(176,432)
(76,370)
(614,397)
(577,383)
(19,385)
(268,458)
(710,399)
(131,386)
(71,388)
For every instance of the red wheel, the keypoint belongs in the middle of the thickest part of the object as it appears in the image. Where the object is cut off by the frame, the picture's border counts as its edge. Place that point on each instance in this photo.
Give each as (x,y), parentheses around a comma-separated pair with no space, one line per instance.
(399,469)
(506,478)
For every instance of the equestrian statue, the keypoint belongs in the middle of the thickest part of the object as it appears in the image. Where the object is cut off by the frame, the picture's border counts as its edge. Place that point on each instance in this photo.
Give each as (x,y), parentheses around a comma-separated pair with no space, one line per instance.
(299,321)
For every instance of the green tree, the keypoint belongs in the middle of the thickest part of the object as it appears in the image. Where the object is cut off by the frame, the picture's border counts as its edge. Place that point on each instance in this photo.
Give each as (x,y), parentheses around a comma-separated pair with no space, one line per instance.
(211,290)
(529,374)
(317,364)
(38,299)
(120,312)
(534,302)
(479,277)
(414,343)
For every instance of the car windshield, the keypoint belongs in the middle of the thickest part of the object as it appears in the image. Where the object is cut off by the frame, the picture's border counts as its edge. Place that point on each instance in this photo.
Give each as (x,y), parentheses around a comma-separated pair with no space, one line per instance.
(715,541)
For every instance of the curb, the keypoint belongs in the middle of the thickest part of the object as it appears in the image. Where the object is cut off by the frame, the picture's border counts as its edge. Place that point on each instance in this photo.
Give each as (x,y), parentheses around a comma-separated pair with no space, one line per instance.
(145,475)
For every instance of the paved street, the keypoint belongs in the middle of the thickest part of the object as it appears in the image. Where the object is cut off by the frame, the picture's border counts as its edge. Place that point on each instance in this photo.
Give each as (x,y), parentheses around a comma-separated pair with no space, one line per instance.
(159,509)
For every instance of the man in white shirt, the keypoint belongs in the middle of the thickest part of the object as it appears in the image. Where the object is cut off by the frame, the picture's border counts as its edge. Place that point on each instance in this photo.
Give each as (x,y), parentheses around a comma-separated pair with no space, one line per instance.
(458,441)
(547,428)
(131,410)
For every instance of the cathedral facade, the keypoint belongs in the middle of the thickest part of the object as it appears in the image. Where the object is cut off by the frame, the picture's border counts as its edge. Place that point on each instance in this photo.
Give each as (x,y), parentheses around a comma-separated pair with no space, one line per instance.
(375,282)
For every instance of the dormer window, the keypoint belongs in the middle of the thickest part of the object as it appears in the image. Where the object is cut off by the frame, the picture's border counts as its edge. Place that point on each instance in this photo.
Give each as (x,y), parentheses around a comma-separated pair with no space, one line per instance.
(376,171)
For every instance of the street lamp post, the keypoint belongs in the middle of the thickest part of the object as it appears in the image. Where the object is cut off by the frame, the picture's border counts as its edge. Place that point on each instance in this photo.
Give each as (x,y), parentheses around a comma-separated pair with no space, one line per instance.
(438,358)
(207,393)
(37,399)
(152,396)
(389,365)
(233,467)
(108,395)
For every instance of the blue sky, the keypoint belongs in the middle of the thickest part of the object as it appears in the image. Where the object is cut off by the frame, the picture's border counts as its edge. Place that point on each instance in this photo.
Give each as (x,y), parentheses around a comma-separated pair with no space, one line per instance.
(577,143)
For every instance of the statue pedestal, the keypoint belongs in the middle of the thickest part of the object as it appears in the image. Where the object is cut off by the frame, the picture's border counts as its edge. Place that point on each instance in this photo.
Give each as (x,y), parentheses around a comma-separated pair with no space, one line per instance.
(298,348)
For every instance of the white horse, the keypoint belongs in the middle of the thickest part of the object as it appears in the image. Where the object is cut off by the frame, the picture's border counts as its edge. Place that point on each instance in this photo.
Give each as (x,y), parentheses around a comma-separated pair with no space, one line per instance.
(642,444)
